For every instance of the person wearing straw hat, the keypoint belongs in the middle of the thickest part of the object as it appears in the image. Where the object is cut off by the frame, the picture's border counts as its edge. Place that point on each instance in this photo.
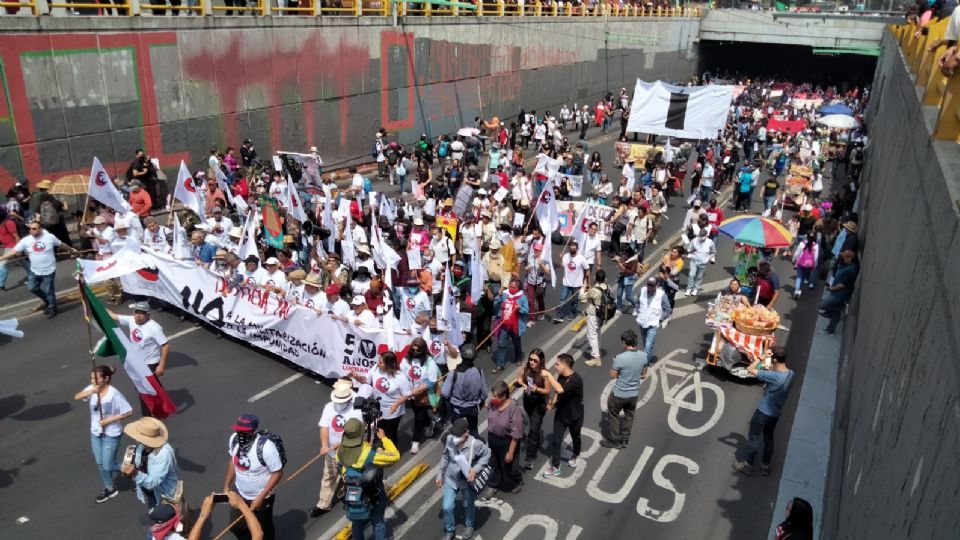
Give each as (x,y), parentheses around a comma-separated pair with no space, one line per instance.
(333,419)
(355,453)
(154,466)
(313,295)
(232,243)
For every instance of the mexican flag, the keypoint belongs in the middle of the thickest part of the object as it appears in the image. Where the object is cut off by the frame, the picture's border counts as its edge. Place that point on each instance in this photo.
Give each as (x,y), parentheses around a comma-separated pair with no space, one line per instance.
(115,342)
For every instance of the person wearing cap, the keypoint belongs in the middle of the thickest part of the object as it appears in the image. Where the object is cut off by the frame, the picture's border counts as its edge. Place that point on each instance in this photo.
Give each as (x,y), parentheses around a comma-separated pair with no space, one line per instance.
(495,264)
(139,199)
(335,272)
(252,273)
(333,420)
(220,227)
(354,453)
(333,304)
(840,290)
(232,242)
(362,316)
(419,235)
(464,456)
(41,249)
(165,523)
(147,335)
(653,311)
(414,300)
(274,280)
(465,388)
(693,214)
(154,466)
(101,235)
(253,471)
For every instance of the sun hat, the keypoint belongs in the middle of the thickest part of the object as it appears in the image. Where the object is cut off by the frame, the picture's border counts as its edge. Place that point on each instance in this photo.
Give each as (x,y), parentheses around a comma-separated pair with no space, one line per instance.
(313,280)
(271,260)
(342,391)
(147,431)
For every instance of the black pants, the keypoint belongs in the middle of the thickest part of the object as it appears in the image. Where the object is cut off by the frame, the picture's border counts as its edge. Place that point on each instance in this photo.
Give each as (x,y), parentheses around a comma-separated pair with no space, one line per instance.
(391,428)
(470,413)
(620,428)
(536,408)
(506,475)
(264,515)
(421,419)
(560,426)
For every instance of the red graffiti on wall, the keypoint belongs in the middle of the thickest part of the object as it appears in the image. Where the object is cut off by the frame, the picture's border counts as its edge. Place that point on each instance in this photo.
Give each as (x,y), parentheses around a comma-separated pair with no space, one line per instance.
(19,107)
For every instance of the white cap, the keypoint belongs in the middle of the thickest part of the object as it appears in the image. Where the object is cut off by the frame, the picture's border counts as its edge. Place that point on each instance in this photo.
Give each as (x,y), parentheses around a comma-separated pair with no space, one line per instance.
(271,260)
(357,300)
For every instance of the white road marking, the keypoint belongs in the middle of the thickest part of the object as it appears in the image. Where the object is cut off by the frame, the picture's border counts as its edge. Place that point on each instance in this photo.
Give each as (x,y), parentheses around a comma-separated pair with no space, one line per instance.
(686,310)
(274,388)
(183,332)
(593,486)
(916,477)
(672,513)
(547,523)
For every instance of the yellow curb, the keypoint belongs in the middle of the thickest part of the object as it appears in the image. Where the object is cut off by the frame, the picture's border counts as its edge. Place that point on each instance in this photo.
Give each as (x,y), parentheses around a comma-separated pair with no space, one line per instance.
(393,492)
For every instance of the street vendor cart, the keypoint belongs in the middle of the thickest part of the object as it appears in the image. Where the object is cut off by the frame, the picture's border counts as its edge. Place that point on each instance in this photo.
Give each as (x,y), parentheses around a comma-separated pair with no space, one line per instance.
(798,185)
(742,334)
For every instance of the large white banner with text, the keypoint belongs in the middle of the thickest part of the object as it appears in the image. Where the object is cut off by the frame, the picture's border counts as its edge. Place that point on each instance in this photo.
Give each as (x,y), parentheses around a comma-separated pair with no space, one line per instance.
(316,342)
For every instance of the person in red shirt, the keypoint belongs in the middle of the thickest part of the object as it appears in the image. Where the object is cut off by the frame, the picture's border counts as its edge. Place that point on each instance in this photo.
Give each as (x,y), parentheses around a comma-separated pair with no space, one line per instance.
(714,216)
(8,240)
(140,200)
(241,188)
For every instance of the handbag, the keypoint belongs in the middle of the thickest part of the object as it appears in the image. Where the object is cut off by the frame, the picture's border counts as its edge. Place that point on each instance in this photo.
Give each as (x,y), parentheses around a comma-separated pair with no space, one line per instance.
(482,477)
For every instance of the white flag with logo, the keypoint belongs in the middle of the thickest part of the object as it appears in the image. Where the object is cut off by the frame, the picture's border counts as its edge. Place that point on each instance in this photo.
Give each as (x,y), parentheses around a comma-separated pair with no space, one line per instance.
(179,247)
(688,112)
(450,314)
(224,187)
(102,189)
(186,192)
(119,264)
(293,203)
(327,221)
(547,214)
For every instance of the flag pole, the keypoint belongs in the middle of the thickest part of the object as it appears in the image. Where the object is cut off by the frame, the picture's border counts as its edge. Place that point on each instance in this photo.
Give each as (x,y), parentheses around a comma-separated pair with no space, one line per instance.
(86,317)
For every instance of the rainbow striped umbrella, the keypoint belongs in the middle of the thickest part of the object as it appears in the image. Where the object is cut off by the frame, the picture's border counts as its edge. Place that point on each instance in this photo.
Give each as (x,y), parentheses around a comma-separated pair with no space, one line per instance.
(756,231)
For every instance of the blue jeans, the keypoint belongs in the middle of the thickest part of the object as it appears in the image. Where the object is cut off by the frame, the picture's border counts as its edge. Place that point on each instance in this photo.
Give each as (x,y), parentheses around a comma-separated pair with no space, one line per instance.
(595,178)
(696,276)
(377,521)
(400,181)
(768,202)
(705,192)
(42,286)
(803,276)
(568,309)
(625,290)
(105,453)
(450,502)
(648,336)
(760,425)
(538,187)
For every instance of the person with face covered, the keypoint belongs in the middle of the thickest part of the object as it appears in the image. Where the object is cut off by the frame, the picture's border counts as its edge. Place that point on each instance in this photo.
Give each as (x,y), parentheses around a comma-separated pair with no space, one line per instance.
(253,471)
(439,347)
(511,308)
(505,427)
(422,374)
(464,455)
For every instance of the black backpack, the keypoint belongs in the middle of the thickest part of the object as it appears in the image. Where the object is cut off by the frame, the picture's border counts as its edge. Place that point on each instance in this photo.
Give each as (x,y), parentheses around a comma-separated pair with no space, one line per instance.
(263,437)
(608,305)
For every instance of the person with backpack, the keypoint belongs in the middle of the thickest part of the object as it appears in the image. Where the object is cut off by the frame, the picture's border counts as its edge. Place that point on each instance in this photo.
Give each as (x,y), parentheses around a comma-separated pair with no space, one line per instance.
(255,468)
(653,311)
(506,426)
(364,495)
(597,312)
(804,260)
(464,469)
(49,211)
(465,389)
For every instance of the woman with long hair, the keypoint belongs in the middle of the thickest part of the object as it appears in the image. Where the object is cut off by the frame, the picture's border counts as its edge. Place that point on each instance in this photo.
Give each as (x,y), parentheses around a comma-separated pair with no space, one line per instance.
(537,382)
(393,389)
(596,169)
(805,260)
(422,374)
(799,522)
(108,408)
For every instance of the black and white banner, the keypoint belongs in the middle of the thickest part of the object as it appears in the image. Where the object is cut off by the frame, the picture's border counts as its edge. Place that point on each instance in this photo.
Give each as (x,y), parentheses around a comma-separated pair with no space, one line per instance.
(319,343)
(688,112)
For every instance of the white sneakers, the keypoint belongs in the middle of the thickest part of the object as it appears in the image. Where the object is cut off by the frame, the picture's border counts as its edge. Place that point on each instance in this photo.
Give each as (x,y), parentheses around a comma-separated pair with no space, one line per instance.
(414,448)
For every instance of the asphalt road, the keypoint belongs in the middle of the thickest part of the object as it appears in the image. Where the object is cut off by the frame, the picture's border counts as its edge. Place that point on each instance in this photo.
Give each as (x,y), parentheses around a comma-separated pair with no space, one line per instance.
(674,481)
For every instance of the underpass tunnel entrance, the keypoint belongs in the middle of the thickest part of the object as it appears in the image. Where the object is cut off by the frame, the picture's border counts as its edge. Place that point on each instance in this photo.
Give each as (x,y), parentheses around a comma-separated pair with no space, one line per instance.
(785,63)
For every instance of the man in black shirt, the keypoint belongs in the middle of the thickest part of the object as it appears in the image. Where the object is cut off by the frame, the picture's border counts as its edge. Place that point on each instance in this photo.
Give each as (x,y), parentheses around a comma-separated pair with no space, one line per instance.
(247,153)
(568,403)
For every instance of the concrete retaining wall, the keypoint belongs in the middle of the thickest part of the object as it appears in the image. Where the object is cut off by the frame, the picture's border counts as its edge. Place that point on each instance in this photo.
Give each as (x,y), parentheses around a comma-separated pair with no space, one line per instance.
(77,87)
(741,25)
(896,473)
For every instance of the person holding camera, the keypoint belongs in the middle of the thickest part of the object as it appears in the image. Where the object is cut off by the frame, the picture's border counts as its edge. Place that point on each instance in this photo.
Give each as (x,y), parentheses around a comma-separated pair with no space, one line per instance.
(254,470)
(464,458)
(364,495)
(335,416)
(153,468)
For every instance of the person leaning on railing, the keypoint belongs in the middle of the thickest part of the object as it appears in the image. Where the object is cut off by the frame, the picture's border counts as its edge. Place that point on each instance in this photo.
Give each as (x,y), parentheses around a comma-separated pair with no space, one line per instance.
(950,59)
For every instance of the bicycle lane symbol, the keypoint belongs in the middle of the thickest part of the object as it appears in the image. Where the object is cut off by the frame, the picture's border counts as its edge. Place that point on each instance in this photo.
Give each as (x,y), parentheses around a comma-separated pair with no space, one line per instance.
(687,380)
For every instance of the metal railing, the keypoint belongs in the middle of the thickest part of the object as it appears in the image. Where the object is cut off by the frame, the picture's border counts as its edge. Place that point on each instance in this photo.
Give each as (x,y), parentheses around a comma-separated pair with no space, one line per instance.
(938,90)
(344,8)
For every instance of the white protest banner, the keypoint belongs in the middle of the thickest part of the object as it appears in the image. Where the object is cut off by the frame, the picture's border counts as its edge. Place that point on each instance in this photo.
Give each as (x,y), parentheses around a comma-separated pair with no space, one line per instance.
(414,261)
(277,164)
(518,220)
(594,213)
(688,112)
(574,181)
(500,194)
(547,166)
(319,343)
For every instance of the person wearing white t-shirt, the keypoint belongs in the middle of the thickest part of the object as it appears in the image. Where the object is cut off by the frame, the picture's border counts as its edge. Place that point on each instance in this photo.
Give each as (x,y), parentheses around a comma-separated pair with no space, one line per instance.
(442,247)
(275,279)
(41,249)
(108,408)
(574,266)
(155,235)
(334,305)
(592,245)
(332,421)
(253,274)
(253,471)
(102,235)
(361,315)
(392,387)
(422,374)
(147,335)
(414,300)
(220,227)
